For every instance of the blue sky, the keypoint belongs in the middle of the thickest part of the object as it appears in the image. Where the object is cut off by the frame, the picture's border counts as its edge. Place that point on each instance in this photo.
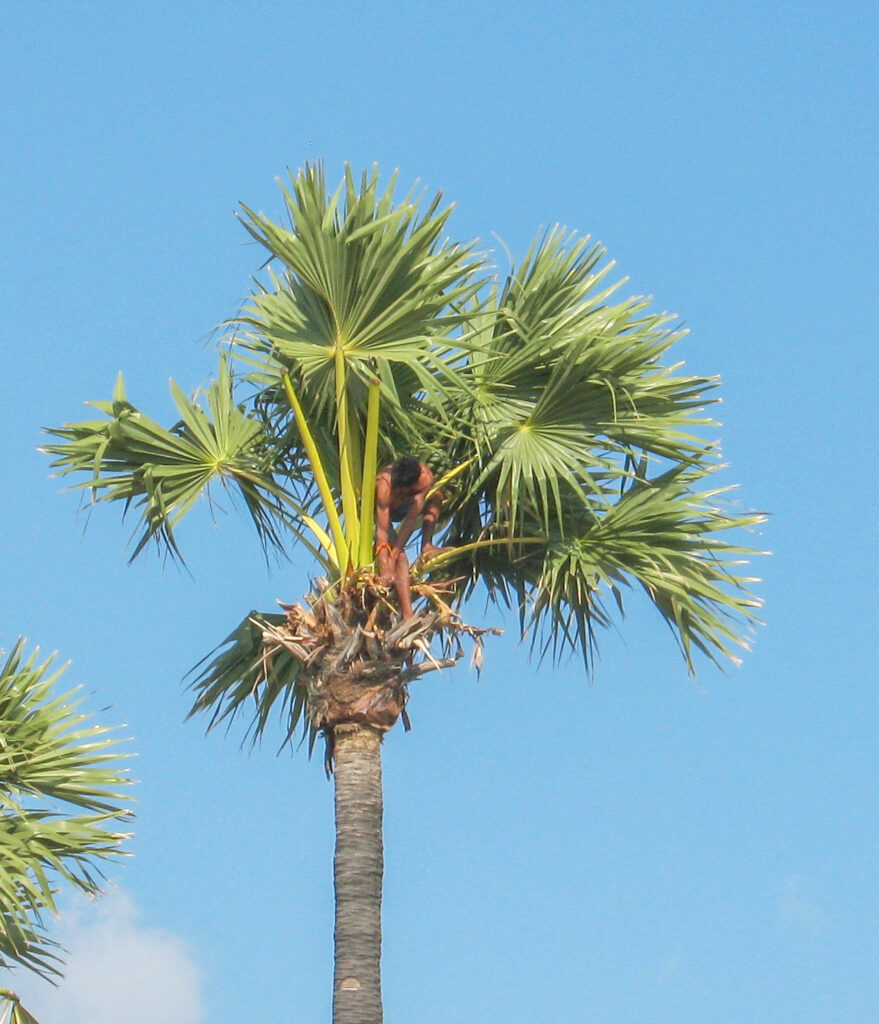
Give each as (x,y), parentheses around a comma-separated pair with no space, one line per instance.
(641,848)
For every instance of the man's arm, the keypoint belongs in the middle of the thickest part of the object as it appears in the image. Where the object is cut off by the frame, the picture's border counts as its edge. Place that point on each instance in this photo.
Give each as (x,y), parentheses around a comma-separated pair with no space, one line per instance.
(382,509)
(433,506)
(383,550)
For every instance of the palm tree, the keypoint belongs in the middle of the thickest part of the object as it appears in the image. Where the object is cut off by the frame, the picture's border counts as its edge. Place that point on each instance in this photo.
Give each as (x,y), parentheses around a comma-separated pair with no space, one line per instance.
(61,797)
(570,459)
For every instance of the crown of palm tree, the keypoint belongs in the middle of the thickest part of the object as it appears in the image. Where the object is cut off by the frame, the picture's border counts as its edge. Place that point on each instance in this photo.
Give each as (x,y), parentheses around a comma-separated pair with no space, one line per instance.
(571,456)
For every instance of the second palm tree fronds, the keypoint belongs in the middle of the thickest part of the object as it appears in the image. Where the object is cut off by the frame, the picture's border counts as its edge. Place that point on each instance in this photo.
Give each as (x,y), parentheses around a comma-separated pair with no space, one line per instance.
(63,797)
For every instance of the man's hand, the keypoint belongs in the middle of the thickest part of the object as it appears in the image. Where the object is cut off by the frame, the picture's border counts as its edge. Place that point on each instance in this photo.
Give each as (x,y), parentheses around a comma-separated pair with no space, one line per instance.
(387,565)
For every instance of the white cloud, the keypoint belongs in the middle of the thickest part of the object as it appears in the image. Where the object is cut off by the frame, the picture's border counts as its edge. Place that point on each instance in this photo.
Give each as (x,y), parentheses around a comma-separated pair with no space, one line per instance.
(117,972)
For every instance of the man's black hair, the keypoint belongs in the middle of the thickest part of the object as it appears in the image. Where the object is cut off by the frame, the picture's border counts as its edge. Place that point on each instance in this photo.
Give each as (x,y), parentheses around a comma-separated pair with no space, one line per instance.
(405,471)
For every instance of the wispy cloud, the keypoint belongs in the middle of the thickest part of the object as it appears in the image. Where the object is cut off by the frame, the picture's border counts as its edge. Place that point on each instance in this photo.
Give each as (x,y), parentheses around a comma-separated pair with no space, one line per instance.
(117,971)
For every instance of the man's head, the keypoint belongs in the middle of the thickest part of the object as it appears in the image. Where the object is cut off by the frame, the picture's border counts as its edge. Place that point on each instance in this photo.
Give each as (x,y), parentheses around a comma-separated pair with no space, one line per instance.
(405,472)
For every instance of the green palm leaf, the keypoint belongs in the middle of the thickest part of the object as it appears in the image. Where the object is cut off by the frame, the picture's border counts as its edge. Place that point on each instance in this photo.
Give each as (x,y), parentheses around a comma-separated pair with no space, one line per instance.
(669,538)
(62,791)
(240,675)
(129,457)
(361,274)
(14,1012)
(583,438)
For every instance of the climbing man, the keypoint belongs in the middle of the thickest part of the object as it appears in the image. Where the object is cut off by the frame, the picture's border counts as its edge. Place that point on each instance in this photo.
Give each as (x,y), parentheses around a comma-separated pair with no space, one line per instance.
(402,496)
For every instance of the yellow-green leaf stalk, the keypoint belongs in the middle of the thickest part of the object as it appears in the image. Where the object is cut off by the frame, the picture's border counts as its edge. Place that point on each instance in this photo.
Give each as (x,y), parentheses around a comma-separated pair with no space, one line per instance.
(450,475)
(326,554)
(346,454)
(370,468)
(429,564)
(320,477)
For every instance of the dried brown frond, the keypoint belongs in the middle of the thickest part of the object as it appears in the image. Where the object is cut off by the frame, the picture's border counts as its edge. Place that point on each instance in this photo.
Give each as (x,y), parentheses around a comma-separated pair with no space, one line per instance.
(358,655)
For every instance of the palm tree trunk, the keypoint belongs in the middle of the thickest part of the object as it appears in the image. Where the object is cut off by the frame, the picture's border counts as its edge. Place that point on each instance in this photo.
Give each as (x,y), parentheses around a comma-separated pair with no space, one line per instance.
(358,868)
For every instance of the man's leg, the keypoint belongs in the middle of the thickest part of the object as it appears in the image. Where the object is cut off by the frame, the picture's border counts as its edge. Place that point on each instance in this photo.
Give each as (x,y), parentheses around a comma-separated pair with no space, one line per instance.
(432,508)
(401,582)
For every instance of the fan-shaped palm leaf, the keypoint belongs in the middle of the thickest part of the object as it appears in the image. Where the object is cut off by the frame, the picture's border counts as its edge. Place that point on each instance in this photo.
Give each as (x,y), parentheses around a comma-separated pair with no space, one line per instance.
(129,457)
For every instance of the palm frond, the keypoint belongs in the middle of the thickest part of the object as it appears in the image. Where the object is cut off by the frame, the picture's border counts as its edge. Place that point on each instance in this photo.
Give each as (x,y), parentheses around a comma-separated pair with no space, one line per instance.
(13,1012)
(359,272)
(670,538)
(129,457)
(63,788)
(238,673)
